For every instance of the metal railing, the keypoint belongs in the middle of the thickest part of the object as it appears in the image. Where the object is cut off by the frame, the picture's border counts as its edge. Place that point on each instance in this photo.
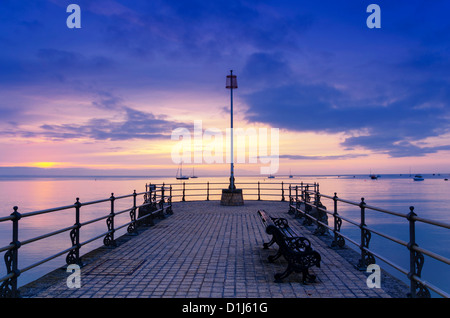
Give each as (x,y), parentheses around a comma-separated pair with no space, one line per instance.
(303,200)
(184,191)
(156,201)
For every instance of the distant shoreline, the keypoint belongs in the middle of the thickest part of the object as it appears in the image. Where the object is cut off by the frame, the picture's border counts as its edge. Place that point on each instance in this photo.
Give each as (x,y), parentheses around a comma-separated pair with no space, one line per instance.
(281,176)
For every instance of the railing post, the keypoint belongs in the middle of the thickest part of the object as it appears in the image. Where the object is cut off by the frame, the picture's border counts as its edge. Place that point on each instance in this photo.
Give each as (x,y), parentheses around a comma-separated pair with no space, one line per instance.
(297,203)
(308,207)
(149,193)
(282,191)
(338,240)
(302,190)
(15,254)
(145,194)
(161,202)
(109,238)
(132,228)
(74,255)
(291,201)
(184,188)
(169,202)
(316,197)
(321,215)
(366,257)
(416,260)
(361,263)
(259,192)
(207,191)
(8,288)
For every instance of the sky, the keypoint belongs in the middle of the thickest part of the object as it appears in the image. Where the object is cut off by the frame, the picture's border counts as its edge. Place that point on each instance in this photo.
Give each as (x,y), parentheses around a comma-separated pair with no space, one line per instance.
(106,98)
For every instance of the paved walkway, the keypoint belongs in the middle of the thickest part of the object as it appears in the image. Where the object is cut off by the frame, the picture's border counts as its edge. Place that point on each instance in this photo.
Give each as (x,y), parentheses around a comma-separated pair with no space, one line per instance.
(212,251)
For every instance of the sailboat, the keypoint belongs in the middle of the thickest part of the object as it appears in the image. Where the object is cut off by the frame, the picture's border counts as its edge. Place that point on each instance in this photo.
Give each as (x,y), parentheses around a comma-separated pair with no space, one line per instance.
(180,176)
(271,177)
(193,175)
(290,174)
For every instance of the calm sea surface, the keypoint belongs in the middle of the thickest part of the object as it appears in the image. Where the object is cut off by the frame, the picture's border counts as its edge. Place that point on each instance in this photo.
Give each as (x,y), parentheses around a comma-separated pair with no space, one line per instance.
(430,198)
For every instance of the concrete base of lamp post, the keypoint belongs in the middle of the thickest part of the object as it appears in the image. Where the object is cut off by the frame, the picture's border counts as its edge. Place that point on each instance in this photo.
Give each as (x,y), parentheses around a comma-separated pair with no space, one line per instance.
(232,197)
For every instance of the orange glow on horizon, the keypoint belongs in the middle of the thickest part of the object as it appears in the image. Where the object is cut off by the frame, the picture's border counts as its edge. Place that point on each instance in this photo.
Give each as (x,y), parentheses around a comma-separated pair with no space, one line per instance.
(46,164)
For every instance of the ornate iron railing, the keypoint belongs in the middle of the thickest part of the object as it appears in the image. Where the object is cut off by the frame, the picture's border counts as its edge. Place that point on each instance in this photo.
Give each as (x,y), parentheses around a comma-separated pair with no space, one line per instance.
(186,191)
(303,200)
(156,201)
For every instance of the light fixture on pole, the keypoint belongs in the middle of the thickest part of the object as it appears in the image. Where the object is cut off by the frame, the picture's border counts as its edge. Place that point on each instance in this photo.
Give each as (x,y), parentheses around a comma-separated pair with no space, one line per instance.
(231,196)
(231,83)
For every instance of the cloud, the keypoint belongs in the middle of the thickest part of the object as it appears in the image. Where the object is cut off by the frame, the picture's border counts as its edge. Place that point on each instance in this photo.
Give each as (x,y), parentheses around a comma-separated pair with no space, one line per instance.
(55,67)
(106,100)
(134,125)
(308,67)
(266,68)
(335,157)
(378,124)
(144,44)
(71,60)
(393,146)
(197,31)
(26,172)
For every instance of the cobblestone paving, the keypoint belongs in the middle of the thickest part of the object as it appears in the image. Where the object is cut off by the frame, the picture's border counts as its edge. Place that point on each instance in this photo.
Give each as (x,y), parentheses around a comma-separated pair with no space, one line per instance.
(211,251)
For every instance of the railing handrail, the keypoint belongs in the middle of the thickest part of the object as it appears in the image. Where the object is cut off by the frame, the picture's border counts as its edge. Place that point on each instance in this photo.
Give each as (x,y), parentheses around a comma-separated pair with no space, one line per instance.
(261,188)
(418,287)
(159,192)
(152,196)
(153,192)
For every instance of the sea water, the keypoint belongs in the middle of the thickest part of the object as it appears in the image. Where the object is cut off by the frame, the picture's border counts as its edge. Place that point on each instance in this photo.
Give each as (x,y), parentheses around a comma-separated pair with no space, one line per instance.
(430,199)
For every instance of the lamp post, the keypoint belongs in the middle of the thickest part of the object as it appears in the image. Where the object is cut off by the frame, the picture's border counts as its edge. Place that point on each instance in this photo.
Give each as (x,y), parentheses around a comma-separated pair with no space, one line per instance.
(231,83)
(231,196)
